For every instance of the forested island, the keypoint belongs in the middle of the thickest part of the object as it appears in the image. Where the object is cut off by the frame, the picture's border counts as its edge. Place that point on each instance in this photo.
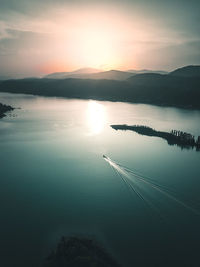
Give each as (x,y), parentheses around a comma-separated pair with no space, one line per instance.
(4,109)
(180,88)
(179,138)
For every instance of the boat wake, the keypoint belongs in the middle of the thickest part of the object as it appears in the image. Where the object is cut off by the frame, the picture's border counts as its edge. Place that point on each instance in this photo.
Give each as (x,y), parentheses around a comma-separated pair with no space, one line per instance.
(135,182)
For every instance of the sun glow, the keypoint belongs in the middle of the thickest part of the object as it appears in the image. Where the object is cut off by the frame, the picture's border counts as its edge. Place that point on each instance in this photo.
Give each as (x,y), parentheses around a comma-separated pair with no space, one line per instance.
(94,48)
(97,50)
(96,117)
(96,39)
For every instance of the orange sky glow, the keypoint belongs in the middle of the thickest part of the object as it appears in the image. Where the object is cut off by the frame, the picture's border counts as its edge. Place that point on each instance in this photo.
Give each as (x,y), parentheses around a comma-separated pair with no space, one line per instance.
(97,39)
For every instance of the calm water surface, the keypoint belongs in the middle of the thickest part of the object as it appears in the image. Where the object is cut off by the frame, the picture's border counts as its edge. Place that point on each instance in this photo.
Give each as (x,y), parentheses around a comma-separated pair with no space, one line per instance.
(54,181)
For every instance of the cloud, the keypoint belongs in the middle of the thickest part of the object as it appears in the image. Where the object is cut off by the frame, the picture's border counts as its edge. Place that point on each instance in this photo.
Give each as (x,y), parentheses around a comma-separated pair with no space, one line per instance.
(142,34)
(4,31)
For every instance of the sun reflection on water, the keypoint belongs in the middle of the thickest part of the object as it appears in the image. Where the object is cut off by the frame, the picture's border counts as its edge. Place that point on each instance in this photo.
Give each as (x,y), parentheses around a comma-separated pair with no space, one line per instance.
(96,117)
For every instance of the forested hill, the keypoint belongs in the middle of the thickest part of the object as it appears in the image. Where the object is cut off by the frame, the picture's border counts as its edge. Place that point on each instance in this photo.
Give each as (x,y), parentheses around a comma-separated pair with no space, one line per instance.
(158,89)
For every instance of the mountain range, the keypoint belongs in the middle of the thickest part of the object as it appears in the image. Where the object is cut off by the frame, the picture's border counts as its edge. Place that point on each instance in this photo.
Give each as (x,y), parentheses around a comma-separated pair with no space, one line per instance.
(89,73)
(179,88)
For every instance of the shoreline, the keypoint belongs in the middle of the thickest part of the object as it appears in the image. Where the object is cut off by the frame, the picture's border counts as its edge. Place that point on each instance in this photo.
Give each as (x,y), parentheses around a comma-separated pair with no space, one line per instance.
(173,92)
(185,107)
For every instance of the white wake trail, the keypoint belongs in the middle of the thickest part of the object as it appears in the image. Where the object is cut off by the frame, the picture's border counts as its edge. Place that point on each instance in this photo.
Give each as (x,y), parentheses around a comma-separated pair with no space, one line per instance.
(129,174)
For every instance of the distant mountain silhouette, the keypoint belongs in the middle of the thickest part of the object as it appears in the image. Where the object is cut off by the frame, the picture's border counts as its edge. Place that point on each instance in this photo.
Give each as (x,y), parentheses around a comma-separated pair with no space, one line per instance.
(64,75)
(146,77)
(2,77)
(167,89)
(90,73)
(86,70)
(187,71)
(108,75)
(149,88)
(147,71)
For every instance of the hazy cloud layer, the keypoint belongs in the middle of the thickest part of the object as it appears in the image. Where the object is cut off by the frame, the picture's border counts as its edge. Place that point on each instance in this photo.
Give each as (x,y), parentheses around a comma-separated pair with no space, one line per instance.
(37,37)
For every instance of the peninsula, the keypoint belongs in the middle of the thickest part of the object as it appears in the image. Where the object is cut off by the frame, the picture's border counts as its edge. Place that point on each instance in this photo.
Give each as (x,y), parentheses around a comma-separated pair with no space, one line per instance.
(179,138)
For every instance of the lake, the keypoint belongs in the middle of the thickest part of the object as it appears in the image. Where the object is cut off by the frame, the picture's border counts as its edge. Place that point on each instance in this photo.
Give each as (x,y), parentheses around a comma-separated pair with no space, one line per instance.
(54,181)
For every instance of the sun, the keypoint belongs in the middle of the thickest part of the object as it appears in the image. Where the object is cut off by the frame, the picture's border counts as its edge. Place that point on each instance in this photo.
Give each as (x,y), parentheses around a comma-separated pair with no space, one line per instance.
(94,48)
(97,50)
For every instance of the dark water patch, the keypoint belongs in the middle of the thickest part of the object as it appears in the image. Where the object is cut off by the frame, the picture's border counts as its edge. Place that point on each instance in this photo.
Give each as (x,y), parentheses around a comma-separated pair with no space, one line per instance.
(76,251)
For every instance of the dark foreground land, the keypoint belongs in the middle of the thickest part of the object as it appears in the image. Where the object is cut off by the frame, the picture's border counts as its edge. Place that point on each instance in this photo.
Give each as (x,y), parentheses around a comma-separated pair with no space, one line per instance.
(79,252)
(4,109)
(180,88)
(179,138)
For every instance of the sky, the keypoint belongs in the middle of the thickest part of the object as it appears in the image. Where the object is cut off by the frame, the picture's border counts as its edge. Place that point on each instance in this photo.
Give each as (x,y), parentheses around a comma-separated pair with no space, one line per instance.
(40,37)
